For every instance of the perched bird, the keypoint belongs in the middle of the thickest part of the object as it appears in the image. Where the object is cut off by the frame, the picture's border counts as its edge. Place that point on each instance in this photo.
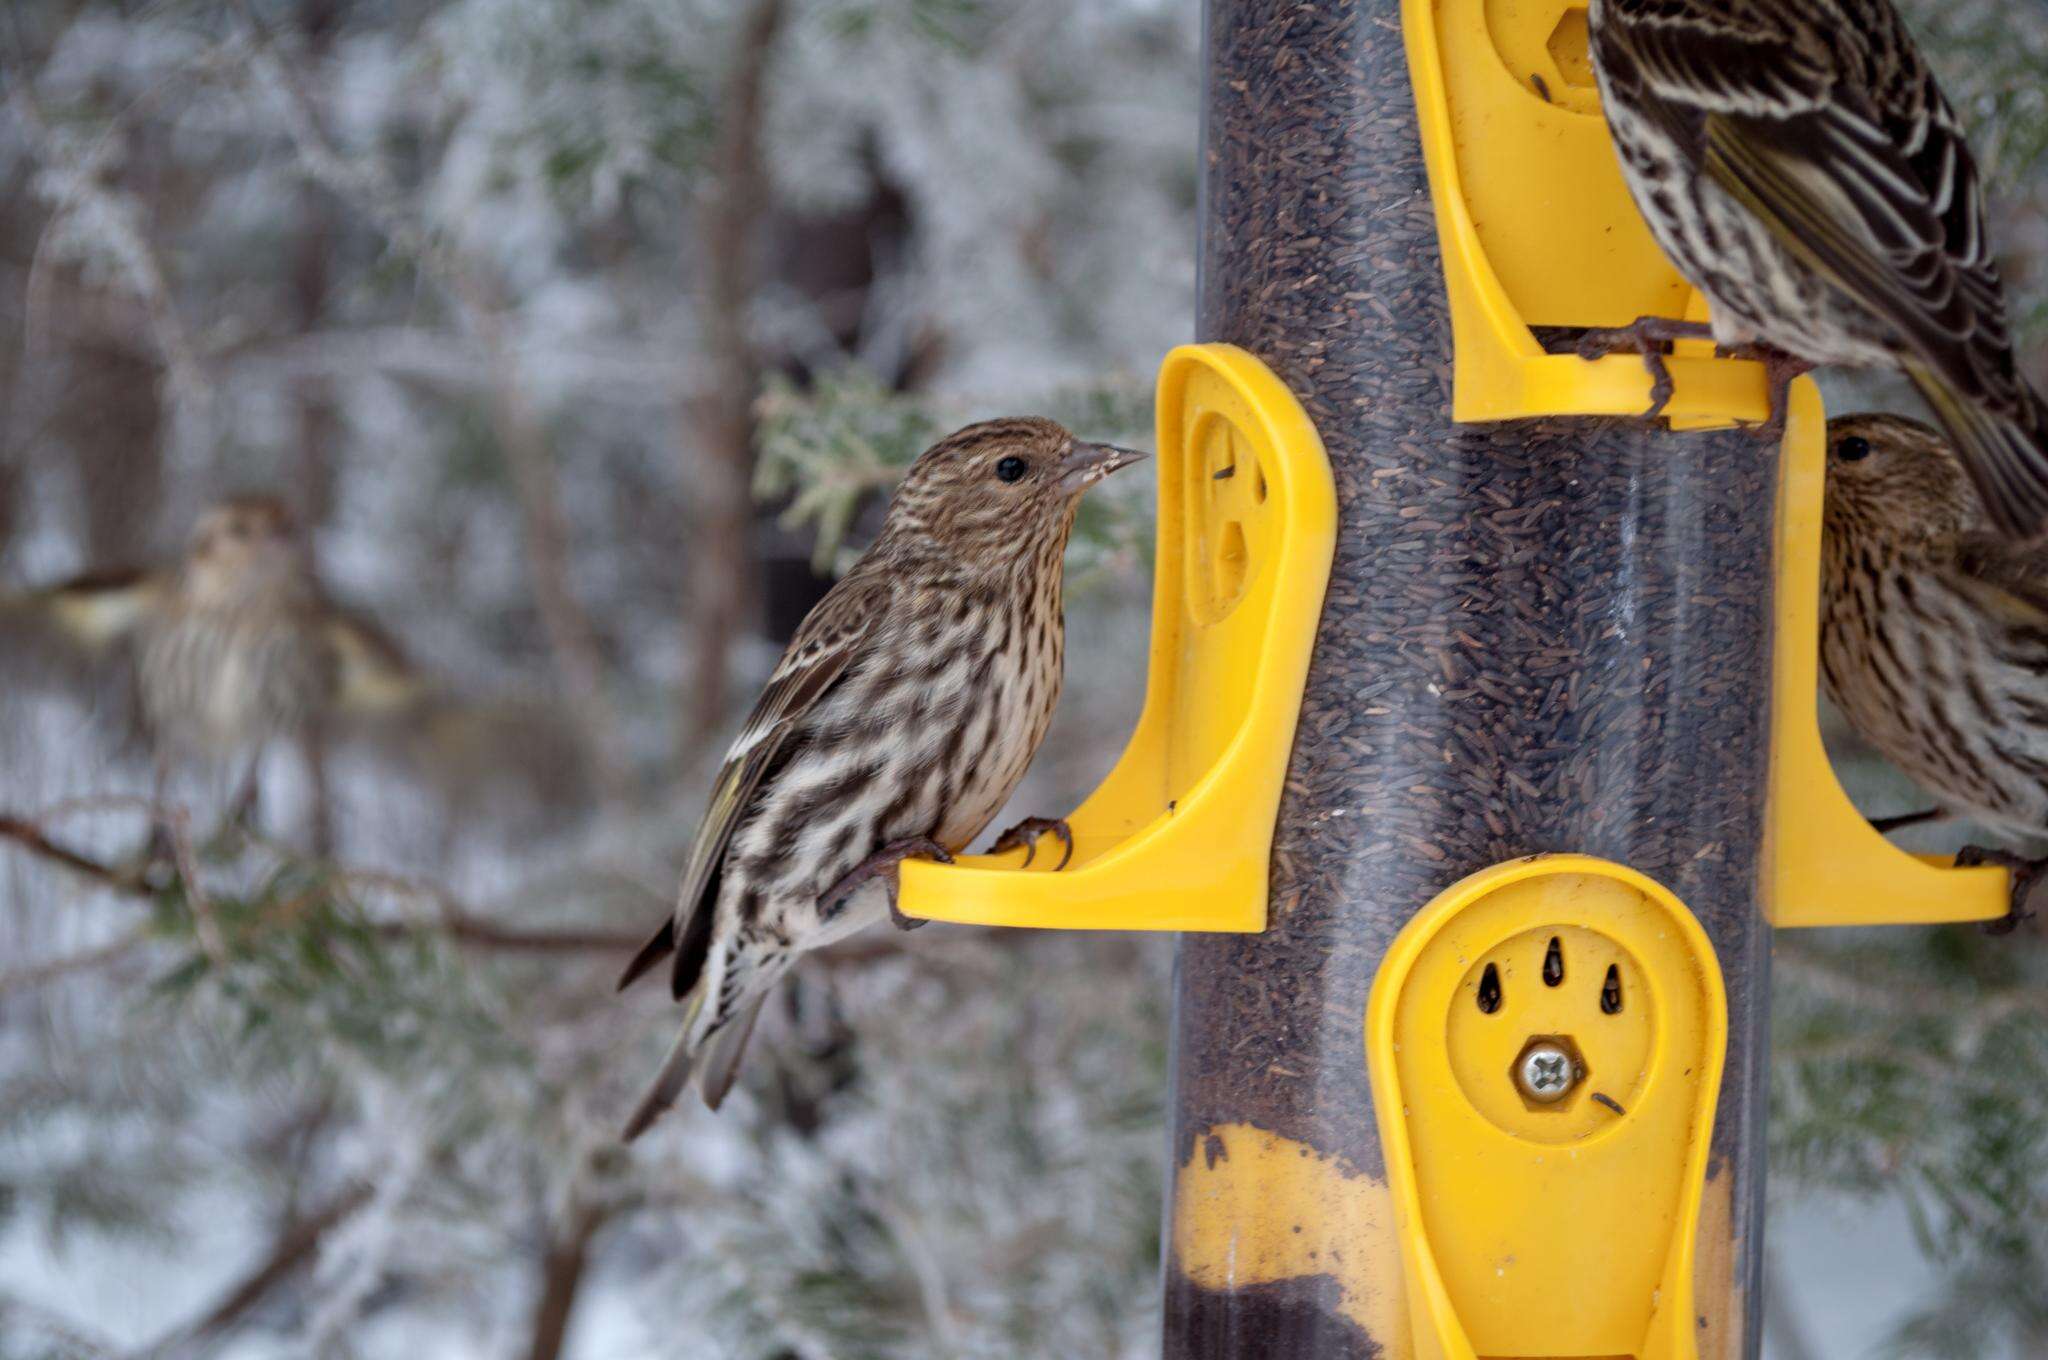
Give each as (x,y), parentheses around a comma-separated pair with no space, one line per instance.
(1934,630)
(1796,161)
(897,723)
(234,647)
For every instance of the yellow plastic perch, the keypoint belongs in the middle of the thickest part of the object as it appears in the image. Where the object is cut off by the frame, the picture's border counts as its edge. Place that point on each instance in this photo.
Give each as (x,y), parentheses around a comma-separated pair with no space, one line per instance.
(1180,833)
(1545,1041)
(1827,866)
(1536,225)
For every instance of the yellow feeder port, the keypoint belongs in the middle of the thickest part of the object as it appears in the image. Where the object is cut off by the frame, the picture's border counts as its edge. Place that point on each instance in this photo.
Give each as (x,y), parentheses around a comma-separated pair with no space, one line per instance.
(1827,865)
(1537,227)
(1180,833)
(1545,1041)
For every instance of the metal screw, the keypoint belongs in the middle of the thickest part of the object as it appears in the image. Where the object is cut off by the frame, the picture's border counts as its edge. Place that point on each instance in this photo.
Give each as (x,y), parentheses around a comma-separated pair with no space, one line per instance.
(1545,1072)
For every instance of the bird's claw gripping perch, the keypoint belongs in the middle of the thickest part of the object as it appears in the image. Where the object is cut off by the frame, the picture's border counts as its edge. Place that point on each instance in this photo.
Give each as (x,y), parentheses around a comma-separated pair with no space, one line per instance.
(1026,834)
(2025,874)
(1648,336)
(884,861)
(1780,369)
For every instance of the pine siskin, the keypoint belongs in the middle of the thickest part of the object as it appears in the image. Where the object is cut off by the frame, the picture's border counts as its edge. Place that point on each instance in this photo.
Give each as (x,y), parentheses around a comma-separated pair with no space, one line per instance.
(234,647)
(897,723)
(1796,161)
(1934,630)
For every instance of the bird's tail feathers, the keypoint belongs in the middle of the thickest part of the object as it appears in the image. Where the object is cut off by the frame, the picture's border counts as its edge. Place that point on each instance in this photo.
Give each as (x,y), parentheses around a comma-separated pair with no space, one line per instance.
(675,1073)
(651,953)
(2006,458)
(711,1060)
(723,1051)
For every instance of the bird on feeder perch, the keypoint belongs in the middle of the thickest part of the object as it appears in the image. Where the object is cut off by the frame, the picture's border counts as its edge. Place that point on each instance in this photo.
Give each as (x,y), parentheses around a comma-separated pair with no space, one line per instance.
(1800,166)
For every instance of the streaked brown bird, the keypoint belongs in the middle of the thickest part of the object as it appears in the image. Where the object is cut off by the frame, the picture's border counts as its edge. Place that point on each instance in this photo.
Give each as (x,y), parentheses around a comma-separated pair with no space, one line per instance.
(897,723)
(234,647)
(1934,630)
(1797,162)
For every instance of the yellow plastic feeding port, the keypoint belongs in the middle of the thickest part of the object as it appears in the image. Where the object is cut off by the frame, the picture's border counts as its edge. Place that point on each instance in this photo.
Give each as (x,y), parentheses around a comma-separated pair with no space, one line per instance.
(1827,866)
(1545,1042)
(1537,227)
(1180,833)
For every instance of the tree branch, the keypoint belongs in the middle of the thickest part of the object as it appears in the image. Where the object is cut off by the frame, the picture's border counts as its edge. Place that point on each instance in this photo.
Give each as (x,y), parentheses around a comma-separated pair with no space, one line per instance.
(721,573)
(33,839)
(294,1247)
(562,1270)
(484,935)
(136,254)
(572,639)
(451,920)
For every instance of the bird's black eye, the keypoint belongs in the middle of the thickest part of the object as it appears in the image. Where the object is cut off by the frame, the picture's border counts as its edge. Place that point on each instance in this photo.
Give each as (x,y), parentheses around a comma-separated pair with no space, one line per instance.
(1853,448)
(1011,468)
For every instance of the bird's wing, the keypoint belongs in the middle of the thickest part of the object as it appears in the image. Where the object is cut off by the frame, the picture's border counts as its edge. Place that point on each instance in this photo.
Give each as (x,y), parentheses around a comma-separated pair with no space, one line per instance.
(94,611)
(372,676)
(818,657)
(1825,122)
(2008,580)
(1863,173)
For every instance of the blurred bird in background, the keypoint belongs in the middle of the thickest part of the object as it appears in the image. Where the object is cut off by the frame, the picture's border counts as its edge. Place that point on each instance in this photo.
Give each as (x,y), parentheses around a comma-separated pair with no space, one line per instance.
(238,646)
(1796,161)
(897,723)
(232,649)
(1934,632)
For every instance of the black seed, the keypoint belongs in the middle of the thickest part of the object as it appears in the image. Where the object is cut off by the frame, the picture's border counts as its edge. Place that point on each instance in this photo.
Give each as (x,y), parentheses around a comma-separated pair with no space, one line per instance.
(1539,636)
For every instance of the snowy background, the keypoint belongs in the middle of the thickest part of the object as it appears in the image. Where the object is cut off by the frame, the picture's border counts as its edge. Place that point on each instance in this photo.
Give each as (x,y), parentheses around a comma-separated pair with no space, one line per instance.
(584,333)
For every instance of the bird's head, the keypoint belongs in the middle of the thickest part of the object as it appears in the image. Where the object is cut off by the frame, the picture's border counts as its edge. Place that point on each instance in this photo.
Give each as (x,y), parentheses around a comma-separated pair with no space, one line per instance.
(1896,479)
(985,494)
(244,546)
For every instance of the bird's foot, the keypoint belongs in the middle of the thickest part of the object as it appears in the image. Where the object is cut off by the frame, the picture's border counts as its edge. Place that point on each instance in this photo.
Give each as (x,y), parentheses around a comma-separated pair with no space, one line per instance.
(2025,874)
(1647,336)
(1884,826)
(883,864)
(1026,834)
(1780,369)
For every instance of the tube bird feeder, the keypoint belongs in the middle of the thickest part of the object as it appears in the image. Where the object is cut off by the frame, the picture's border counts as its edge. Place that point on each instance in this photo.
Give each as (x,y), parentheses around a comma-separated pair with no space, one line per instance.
(1544,635)
(1479,752)
(1492,1081)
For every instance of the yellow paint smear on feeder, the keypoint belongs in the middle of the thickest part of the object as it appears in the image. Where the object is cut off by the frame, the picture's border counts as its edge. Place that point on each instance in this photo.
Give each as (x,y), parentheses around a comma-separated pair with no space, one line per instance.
(1253,1208)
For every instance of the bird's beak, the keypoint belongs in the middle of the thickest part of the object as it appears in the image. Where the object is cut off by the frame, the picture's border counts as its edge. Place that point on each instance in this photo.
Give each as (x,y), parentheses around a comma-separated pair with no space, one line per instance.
(1090,463)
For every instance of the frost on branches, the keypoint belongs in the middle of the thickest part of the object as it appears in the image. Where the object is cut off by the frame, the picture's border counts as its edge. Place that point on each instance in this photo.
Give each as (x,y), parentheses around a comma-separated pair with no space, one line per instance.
(581,334)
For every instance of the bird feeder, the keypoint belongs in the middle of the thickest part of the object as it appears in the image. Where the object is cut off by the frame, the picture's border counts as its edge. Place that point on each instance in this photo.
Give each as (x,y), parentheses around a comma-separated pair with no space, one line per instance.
(1491,1082)
(1480,749)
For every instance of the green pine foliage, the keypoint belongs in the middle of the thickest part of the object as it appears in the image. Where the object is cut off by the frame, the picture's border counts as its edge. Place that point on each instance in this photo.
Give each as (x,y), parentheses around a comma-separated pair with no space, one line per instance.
(947,1144)
(1914,1063)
